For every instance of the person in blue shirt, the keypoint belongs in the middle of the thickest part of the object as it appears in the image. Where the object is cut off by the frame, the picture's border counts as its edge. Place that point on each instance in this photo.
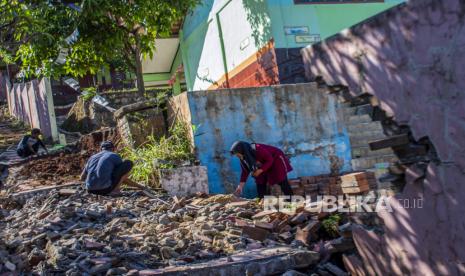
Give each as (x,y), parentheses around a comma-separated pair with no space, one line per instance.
(29,145)
(106,171)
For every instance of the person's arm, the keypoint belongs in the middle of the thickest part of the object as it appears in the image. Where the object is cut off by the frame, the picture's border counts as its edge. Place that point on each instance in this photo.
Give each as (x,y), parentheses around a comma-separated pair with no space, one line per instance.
(42,145)
(244,175)
(239,189)
(267,161)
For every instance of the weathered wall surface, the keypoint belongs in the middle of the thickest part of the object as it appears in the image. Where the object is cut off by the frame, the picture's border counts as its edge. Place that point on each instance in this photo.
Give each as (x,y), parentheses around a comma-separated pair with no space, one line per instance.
(412,58)
(303,121)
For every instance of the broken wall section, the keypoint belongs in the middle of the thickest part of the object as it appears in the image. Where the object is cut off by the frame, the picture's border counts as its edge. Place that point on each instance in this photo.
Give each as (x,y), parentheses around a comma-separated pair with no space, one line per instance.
(300,119)
(411,58)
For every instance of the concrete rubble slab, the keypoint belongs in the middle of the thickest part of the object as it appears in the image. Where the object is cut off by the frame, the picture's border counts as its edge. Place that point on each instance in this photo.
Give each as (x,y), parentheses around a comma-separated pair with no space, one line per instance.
(266,261)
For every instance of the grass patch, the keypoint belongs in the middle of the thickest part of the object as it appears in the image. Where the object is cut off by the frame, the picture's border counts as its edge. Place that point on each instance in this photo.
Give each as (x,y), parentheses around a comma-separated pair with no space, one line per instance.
(164,153)
(330,225)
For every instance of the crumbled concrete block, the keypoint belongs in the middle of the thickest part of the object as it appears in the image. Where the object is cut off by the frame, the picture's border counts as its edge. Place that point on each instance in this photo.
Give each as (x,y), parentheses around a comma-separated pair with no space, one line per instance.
(185,181)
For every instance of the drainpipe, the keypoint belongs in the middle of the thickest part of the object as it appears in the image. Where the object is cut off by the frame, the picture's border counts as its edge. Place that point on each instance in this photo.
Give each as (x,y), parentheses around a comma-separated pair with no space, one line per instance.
(223,50)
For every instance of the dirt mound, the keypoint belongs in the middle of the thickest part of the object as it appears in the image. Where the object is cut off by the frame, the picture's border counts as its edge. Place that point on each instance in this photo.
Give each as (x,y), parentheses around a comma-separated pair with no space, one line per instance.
(56,167)
(65,166)
(92,141)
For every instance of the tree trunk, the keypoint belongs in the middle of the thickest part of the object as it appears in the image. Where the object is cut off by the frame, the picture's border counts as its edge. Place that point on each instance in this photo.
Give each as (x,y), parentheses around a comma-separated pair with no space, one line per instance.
(139,73)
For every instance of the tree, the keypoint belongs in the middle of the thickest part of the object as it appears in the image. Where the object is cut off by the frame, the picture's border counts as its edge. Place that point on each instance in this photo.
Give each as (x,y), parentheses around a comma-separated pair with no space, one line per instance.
(108,30)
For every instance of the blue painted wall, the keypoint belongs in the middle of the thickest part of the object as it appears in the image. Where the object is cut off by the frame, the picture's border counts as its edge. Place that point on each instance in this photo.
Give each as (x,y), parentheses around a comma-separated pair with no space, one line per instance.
(305,123)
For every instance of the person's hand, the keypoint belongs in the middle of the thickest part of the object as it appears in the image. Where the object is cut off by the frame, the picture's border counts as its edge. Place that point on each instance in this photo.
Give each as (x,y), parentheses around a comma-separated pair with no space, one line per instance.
(257,172)
(238,191)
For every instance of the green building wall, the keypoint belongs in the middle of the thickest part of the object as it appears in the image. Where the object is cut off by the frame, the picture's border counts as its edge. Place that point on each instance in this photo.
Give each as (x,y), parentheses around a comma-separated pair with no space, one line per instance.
(201,43)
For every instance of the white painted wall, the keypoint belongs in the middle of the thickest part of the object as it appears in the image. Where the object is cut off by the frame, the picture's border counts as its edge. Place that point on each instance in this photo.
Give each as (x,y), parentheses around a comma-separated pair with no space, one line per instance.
(237,31)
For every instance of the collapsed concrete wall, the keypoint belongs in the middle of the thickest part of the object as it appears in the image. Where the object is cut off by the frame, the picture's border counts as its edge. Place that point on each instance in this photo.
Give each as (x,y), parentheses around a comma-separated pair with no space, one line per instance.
(411,58)
(302,120)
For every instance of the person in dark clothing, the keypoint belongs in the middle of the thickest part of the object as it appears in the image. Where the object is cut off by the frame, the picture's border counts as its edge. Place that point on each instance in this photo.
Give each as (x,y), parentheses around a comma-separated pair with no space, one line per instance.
(29,145)
(267,164)
(106,171)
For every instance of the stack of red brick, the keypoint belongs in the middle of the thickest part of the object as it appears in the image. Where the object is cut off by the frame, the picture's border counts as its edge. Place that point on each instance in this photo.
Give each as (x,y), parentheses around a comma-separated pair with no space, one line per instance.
(352,183)
(316,185)
(359,182)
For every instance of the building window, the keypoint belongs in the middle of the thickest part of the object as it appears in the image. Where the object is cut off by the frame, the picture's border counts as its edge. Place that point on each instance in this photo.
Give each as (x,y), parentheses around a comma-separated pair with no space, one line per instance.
(335,1)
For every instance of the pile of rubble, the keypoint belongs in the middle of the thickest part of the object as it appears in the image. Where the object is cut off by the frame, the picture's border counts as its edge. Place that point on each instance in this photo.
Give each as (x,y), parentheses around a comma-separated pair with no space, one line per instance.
(70,231)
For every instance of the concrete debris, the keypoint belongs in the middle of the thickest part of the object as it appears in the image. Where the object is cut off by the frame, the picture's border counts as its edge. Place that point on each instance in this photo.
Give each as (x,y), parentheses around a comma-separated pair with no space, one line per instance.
(67,231)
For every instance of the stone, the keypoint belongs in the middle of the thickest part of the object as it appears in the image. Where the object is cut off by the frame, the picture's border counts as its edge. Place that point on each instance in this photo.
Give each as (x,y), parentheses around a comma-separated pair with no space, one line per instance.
(67,192)
(36,256)
(10,266)
(93,245)
(168,253)
(133,272)
(117,271)
(293,273)
(164,219)
(242,204)
(335,270)
(100,268)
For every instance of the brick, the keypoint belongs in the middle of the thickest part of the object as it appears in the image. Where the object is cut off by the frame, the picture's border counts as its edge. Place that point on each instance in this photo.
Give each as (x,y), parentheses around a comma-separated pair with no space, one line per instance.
(355,190)
(263,214)
(307,234)
(308,179)
(299,218)
(392,141)
(333,180)
(265,225)
(244,203)
(357,176)
(299,191)
(359,183)
(255,233)
(242,222)
(295,183)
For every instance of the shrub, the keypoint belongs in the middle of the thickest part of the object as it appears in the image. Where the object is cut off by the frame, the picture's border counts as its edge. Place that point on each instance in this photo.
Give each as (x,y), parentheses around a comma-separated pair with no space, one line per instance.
(89,93)
(330,225)
(164,153)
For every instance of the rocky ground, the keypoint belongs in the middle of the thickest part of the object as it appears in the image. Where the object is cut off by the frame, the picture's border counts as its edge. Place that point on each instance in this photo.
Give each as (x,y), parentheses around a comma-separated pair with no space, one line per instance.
(71,232)
(11,130)
(65,231)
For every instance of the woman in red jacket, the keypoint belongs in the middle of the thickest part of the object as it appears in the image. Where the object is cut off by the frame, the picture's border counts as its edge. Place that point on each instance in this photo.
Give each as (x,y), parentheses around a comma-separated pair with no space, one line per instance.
(268,165)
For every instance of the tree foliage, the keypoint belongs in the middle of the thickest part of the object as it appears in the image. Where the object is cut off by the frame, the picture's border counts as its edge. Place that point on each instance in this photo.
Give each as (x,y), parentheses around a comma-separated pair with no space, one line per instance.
(35,34)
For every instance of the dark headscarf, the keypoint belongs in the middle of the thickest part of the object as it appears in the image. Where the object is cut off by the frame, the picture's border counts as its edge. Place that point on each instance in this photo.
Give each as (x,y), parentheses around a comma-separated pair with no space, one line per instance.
(246,150)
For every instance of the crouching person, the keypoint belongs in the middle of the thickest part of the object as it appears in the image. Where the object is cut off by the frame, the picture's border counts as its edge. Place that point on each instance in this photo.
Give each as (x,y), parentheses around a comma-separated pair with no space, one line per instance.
(30,144)
(106,171)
